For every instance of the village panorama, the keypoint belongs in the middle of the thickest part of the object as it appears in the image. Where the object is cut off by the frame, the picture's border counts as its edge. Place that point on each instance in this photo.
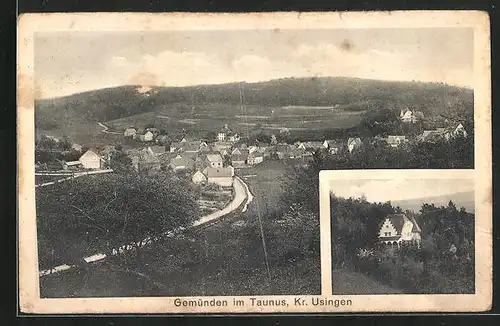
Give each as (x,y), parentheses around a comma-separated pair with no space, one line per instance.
(186,163)
(145,210)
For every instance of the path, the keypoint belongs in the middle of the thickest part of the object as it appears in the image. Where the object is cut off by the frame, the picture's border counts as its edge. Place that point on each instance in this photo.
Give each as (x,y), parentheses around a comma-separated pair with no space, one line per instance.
(242,196)
(106,129)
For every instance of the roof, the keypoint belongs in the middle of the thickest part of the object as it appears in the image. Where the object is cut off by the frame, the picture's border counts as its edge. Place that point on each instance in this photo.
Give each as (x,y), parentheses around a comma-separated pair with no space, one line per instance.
(130,129)
(72,163)
(255,154)
(225,129)
(397,220)
(214,158)
(219,172)
(313,144)
(415,228)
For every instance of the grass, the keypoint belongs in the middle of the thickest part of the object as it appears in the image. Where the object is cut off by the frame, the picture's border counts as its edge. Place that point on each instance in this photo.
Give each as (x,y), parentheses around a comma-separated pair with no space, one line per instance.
(264,182)
(223,259)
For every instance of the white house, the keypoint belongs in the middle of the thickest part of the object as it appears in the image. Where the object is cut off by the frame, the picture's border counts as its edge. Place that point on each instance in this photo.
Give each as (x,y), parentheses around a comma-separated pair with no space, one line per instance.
(407,116)
(130,132)
(255,158)
(91,160)
(233,137)
(459,131)
(223,133)
(353,143)
(149,135)
(223,177)
(397,228)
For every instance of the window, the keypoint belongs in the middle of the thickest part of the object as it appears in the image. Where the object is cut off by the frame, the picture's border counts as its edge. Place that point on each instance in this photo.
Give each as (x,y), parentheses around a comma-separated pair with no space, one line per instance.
(387,234)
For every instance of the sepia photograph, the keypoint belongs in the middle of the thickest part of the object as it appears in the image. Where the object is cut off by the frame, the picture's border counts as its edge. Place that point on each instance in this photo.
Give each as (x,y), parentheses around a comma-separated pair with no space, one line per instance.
(183,160)
(402,236)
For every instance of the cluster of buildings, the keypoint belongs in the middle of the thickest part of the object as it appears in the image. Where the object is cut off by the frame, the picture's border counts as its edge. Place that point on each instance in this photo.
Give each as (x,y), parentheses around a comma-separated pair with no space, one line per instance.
(145,135)
(211,161)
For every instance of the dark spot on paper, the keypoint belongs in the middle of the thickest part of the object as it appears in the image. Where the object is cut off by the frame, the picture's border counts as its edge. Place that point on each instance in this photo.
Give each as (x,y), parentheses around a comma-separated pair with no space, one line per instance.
(346,45)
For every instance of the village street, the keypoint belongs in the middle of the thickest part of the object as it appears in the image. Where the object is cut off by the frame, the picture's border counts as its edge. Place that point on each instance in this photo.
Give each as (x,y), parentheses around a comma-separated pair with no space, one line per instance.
(241,194)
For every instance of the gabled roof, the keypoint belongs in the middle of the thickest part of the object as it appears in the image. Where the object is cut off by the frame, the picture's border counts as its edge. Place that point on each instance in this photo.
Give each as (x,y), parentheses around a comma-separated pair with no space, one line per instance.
(214,158)
(354,141)
(397,221)
(225,129)
(219,172)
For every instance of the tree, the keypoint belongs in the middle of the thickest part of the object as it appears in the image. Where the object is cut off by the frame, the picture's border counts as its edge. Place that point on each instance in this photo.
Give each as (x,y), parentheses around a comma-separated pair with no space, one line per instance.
(105,212)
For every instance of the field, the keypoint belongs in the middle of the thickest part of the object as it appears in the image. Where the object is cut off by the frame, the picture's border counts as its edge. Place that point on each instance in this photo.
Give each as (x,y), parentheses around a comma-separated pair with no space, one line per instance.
(299,104)
(201,119)
(264,183)
(348,282)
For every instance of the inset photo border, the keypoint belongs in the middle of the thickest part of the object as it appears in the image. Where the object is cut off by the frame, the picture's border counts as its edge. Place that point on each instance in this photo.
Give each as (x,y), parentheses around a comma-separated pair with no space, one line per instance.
(407,240)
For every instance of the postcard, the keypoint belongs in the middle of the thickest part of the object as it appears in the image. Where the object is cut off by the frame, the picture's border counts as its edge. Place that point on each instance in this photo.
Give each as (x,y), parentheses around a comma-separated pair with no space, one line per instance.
(254,163)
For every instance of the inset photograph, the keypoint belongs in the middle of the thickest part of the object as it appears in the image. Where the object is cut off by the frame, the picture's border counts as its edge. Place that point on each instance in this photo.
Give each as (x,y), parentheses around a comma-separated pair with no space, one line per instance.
(402,236)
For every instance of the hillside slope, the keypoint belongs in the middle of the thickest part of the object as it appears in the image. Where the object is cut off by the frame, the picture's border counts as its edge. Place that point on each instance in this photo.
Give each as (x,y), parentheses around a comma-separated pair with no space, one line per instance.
(220,100)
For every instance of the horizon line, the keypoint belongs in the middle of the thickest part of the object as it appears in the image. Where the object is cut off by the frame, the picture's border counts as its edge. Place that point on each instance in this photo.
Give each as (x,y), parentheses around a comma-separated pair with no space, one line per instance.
(257,82)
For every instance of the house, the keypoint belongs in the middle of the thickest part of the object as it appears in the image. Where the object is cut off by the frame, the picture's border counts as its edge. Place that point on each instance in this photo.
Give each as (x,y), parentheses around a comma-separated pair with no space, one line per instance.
(198,178)
(233,137)
(148,136)
(154,131)
(255,158)
(181,162)
(281,150)
(398,228)
(220,145)
(353,143)
(220,176)
(130,132)
(223,133)
(214,160)
(296,153)
(162,139)
(459,131)
(176,147)
(407,116)
(395,141)
(239,160)
(91,160)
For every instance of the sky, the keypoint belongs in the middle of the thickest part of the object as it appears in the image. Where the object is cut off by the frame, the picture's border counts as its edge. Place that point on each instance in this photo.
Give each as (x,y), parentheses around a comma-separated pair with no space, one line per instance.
(402,189)
(73,62)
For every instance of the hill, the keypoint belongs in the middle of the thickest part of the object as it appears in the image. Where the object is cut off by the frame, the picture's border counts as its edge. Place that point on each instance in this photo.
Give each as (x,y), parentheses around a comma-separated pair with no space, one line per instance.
(461,199)
(272,103)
